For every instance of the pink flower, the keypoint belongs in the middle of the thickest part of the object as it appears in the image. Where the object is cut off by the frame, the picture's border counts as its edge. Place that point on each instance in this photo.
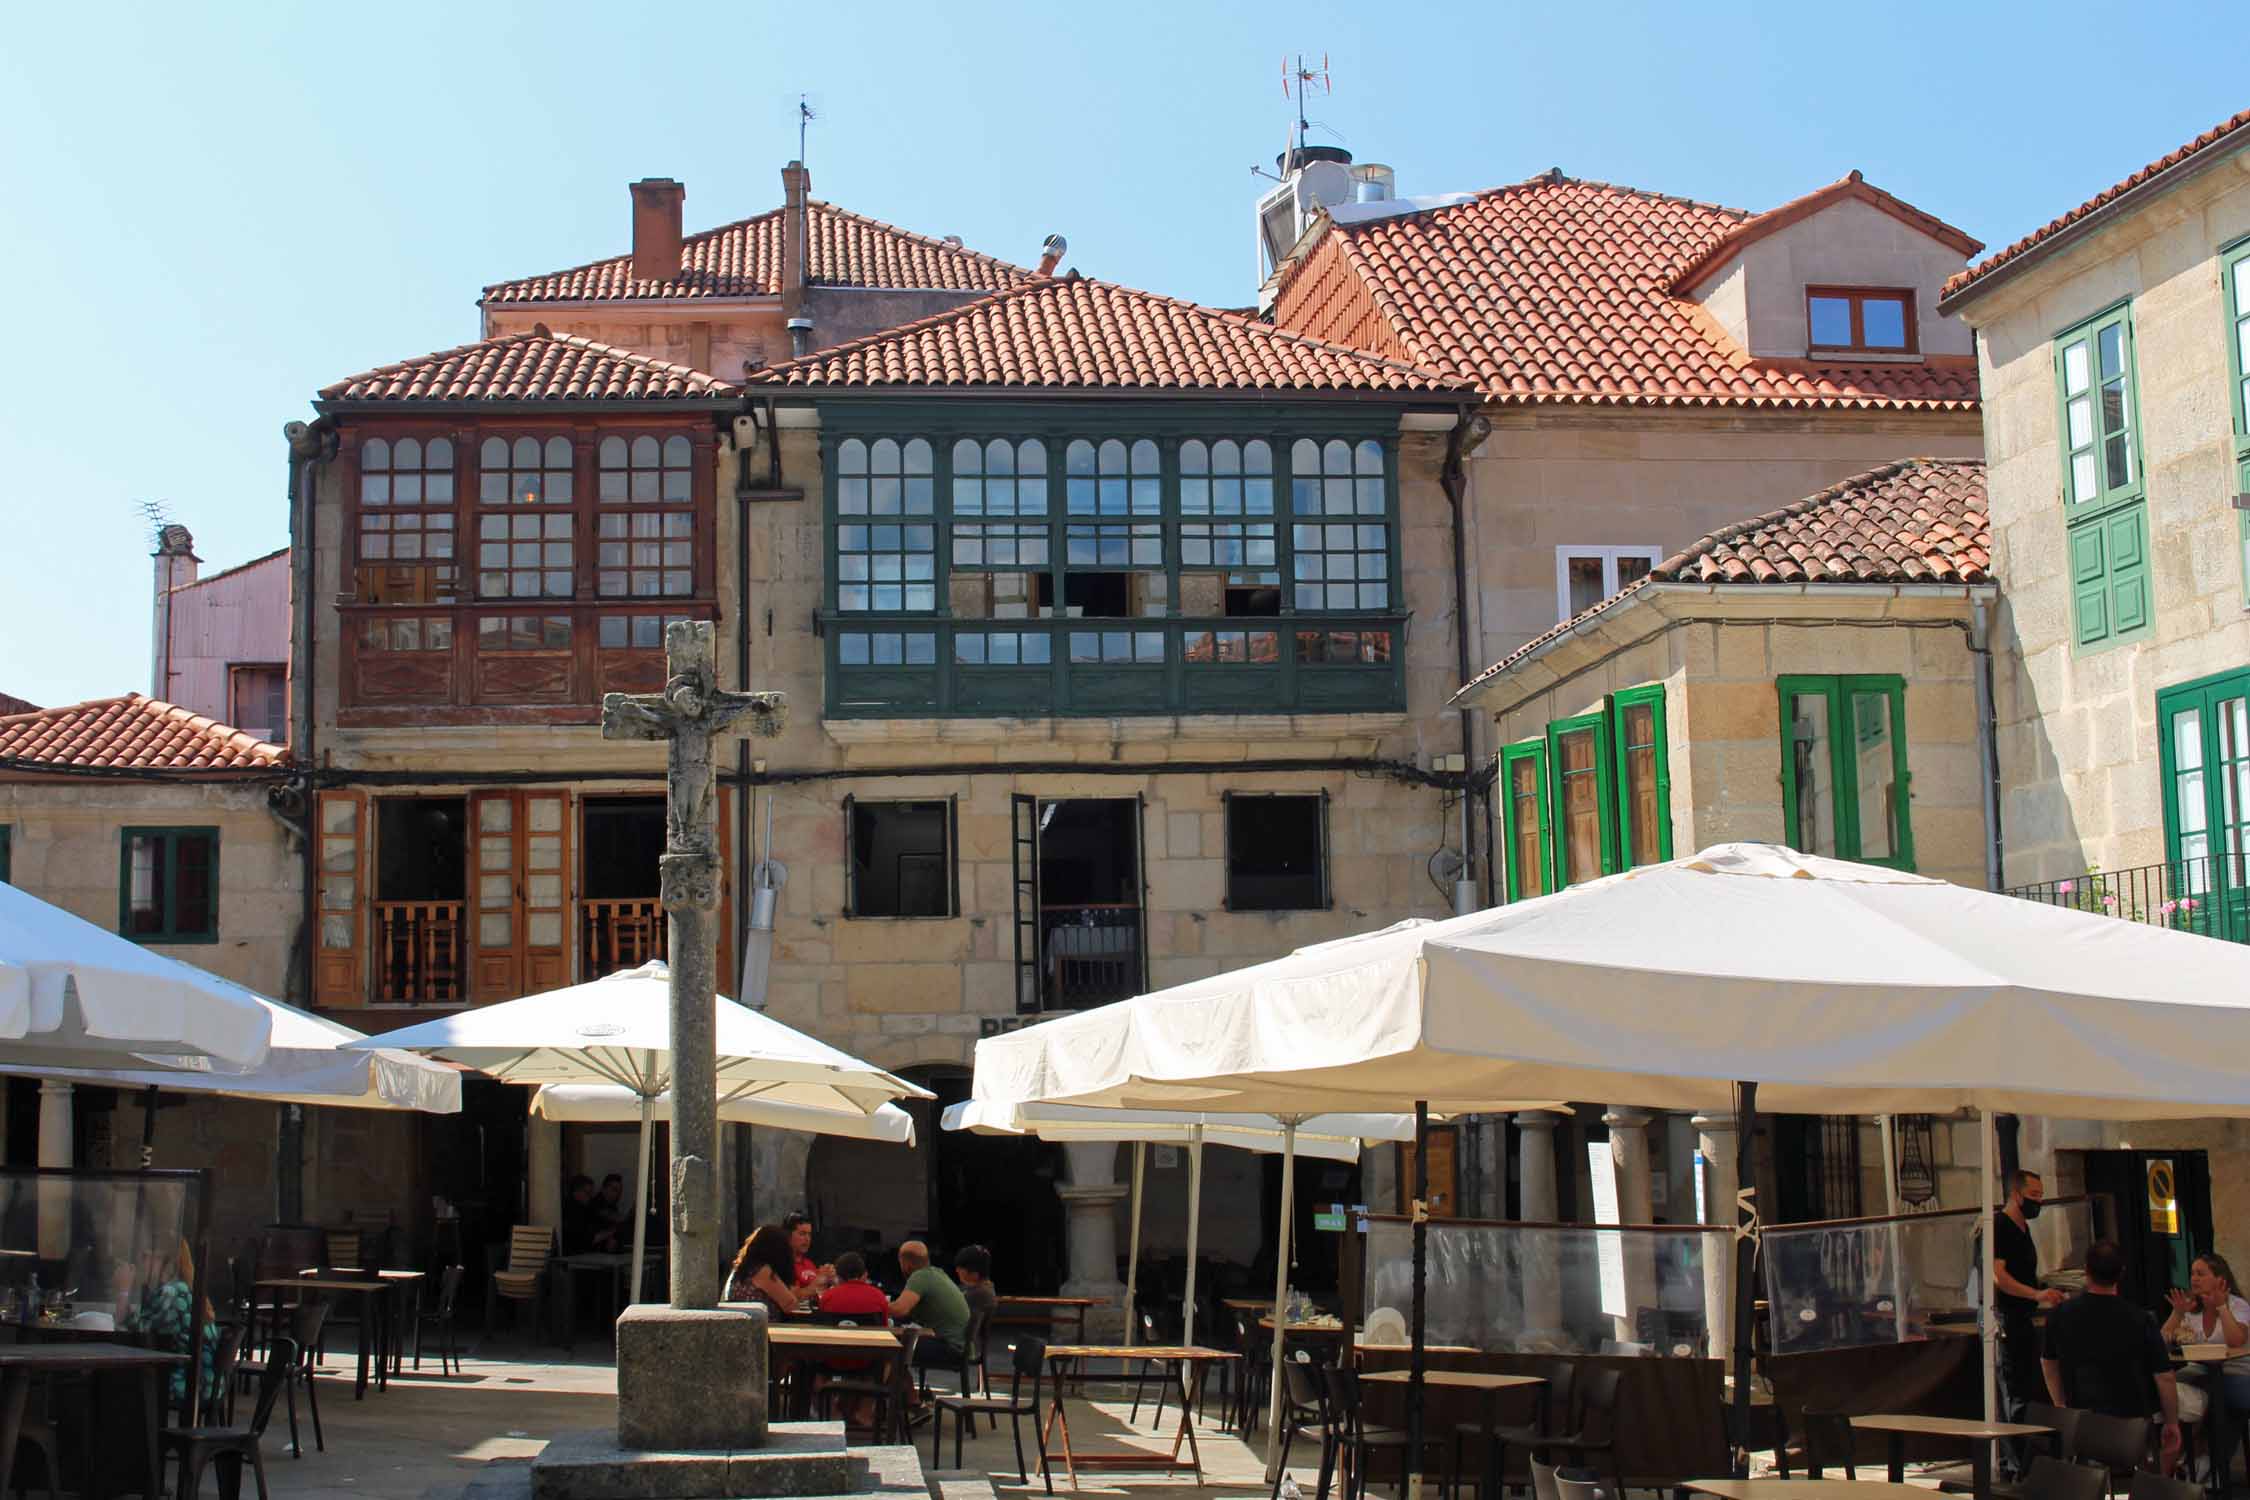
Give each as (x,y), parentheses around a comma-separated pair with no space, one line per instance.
(2066,887)
(2188,903)
(2109,901)
(2169,907)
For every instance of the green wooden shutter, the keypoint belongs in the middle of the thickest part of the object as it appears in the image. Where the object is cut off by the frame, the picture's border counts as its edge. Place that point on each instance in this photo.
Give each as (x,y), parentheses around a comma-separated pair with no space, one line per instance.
(2098,425)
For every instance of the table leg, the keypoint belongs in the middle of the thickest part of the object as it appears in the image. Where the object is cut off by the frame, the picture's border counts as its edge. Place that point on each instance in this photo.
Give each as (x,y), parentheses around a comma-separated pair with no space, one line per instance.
(15,1389)
(2218,1423)
(359,1381)
(1980,1470)
(1060,1418)
(150,1399)
(1187,1424)
(1898,1457)
(418,1284)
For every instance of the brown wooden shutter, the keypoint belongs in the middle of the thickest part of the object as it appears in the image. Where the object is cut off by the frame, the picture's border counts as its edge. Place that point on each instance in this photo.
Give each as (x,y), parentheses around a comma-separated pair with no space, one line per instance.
(495,873)
(545,889)
(340,954)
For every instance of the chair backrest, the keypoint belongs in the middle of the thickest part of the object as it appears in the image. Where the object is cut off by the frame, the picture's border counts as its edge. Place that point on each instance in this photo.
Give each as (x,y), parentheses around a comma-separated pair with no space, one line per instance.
(1028,1356)
(1301,1382)
(2147,1486)
(305,1323)
(1597,1403)
(1829,1441)
(529,1246)
(2117,1443)
(281,1362)
(1544,1485)
(1343,1394)
(228,1354)
(2052,1479)
(344,1248)
(449,1290)
(972,1341)
(1577,1489)
(2060,1420)
(1561,1391)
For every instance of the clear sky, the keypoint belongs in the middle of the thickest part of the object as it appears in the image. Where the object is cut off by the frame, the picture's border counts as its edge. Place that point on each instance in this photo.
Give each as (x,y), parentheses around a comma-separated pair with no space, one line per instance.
(207,211)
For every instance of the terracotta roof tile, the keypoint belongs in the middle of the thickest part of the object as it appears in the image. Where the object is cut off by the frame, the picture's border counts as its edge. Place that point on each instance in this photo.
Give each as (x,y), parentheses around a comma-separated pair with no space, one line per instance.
(2227,132)
(534,366)
(1558,290)
(134,732)
(10,704)
(743,259)
(1920,520)
(1852,186)
(1077,333)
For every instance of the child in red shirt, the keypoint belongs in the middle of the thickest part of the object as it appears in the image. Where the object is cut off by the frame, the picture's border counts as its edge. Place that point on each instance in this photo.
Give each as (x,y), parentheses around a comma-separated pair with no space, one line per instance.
(855,1297)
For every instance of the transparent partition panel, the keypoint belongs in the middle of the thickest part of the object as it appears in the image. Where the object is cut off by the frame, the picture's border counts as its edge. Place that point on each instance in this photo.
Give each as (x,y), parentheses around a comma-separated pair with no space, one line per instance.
(1854,1282)
(84,1249)
(1563,1289)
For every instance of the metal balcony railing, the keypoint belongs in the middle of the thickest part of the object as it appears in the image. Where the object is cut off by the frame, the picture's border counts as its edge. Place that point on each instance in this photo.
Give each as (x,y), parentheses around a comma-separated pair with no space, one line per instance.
(2208,895)
(1089,955)
(617,935)
(418,953)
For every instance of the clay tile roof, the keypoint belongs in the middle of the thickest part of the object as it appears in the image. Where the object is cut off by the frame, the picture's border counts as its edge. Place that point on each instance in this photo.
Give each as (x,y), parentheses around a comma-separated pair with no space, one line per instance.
(1920,520)
(132,732)
(1076,333)
(534,366)
(2225,135)
(1853,186)
(10,704)
(743,259)
(1558,290)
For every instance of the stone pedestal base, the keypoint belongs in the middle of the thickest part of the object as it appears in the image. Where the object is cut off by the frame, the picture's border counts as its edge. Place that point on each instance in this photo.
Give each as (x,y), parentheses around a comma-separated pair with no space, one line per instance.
(691,1379)
(798,1459)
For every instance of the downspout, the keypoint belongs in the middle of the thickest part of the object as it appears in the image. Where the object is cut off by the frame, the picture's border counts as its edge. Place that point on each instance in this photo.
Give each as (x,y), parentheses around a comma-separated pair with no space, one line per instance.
(1469,430)
(744,1164)
(308,445)
(1988,744)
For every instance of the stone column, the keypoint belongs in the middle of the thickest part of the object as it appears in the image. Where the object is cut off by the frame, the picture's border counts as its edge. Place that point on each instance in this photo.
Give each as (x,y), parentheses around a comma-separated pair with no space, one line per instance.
(1629,1159)
(1541,1250)
(1715,1141)
(1091,1201)
(543,1148)
(56,1149)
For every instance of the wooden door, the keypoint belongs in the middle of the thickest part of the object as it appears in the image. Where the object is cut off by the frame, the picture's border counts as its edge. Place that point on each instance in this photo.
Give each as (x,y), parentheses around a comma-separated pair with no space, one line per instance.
(340,957)
(1442,1199)
(520,893)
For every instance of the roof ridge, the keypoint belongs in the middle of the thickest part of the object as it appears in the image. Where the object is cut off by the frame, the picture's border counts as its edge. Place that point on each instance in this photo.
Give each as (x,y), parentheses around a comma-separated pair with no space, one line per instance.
(1804,506)
(603,260)
(935,242)
(536,333)
(238,567)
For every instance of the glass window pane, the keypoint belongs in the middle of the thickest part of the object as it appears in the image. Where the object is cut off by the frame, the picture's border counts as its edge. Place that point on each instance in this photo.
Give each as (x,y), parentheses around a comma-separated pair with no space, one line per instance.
(1873,778)
(1586,591)
(1831,320)
(1882,322)
(2075,373)
(1810,750)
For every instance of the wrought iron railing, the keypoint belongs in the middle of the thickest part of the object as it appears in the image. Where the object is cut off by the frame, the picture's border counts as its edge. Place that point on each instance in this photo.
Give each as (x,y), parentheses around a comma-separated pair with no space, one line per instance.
(617,935)
(1089,955)
(2208,895)
(418,953)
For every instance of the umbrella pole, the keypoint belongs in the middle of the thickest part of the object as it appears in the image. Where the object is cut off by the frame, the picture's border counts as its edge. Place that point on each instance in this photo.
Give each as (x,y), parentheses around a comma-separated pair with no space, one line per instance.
(1892,1207)
(640,1198)
(1281,1290)
(1195,1222)
(1986,1331)
(1745,1266)
(1133,1244)
(1416,1358)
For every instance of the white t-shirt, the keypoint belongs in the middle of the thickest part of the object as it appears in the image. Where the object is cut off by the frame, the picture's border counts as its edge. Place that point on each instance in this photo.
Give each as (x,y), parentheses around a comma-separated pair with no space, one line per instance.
(2194,1329)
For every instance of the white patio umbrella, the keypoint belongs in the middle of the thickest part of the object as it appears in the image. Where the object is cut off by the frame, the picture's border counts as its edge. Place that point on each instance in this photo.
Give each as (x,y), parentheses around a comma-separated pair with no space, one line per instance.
(1328,1137)
(75,996)
(608,1104)
(305,1063)
(618,1030)
(1824,986)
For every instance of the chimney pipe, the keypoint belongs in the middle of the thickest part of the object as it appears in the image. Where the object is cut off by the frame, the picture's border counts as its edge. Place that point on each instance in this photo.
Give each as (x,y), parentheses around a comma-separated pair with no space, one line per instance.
(796,188)
(1052,253)
(656,228)
(175,568)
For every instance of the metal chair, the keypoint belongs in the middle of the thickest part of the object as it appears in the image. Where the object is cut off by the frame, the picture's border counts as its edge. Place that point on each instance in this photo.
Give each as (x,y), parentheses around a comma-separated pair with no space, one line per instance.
(1357,1442)
(889,1395)
(2147,1486)
(1533,1436)
(1595,1432)
(1028,1357)
(1829,1444)
(441,1316)
(2111,1445)
(1150,1369)
(2052,1479)
(198,1448)
(1304,1409)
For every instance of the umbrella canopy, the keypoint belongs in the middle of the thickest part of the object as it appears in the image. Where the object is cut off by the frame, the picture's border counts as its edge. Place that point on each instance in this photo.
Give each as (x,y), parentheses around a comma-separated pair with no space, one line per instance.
(75,996)
(607,1104)
(1836,987)
(1328,1137)
(305,1064)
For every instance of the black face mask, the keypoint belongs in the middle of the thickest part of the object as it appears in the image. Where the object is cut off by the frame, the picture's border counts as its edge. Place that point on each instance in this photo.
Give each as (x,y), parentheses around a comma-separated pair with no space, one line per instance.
(2030,1207)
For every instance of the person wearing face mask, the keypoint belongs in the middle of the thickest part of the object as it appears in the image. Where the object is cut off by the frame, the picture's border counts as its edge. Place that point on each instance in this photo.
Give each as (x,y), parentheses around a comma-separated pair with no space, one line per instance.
(2017,1296)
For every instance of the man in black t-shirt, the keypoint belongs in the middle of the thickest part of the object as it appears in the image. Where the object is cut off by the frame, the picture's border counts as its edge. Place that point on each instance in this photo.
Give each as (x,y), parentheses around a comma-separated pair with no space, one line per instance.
(2101,1353)
(2016,1296)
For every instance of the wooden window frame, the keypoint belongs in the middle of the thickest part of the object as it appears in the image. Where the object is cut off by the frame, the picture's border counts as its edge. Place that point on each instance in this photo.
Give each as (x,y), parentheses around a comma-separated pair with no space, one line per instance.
(851,912)
(237,671)
(2234,261)
(1534,751)
(2114,518)
(507,508)
(1651,694)
(1858,297)
(168,875)
(1839,690)
(1327,897)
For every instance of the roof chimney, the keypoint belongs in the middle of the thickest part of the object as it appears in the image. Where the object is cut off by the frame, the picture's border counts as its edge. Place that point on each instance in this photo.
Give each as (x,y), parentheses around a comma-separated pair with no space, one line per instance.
(656,228)
(796,188)
(175,568)
(1051,254)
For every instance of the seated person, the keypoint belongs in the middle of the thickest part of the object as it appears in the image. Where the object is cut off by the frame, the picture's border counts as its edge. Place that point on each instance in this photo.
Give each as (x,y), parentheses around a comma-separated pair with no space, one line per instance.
(931,1299)
(807,1277)
(853,1295)
(2102,1353)
(764,1271)
(579,1220)
(972,1267)
(156,1301)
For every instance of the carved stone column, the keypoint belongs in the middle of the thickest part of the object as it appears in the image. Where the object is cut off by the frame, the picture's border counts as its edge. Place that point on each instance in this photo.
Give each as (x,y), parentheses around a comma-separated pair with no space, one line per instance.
(1715,1142)
(1090,1199)
(1541,1249)
(56,1149)
(1629,1159)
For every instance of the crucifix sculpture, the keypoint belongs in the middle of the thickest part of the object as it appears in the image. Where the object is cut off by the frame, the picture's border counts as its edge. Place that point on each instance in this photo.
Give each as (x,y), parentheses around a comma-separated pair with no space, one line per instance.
(691,712)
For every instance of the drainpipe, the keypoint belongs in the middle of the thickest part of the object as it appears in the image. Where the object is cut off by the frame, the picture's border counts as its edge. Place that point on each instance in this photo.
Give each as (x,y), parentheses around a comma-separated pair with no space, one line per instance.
(309,444)
(1988,744)
(1469,430)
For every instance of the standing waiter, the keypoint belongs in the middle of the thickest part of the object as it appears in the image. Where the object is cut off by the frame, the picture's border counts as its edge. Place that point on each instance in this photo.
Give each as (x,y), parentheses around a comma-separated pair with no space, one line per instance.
(2017,1295)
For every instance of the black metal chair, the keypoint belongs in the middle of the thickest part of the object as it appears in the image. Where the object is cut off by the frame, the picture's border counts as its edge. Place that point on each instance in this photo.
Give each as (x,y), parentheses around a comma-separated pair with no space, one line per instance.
(1028,1357)
(1150,1370)
(1594,1434)
(1256,1344)
(2147,1486)
(2061,1442)
(1357,1442)
(2113,1446)
(39,1434)
(1554,1412)
(441,1318)
(888,1395)
(198,1448)
(2052,1479)
(1830,1442)
(1304,1409)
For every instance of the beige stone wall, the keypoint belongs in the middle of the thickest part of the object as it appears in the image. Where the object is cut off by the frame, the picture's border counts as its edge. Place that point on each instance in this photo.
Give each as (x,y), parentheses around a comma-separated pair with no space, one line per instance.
(1551,479)
(714,339)
(1719,656)
(2078,735)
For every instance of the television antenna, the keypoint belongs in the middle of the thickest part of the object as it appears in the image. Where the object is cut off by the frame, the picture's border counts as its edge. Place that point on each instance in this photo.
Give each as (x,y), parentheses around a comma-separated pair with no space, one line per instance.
(1298,77)
(806,114)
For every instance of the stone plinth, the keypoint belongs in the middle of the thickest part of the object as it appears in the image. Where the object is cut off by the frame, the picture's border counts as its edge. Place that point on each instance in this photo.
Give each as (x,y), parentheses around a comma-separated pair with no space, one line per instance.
(797,1459)
(691,1378)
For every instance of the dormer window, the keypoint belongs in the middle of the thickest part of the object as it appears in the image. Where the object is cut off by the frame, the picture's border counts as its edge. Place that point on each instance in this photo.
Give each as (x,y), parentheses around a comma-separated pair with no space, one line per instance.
(1859,320)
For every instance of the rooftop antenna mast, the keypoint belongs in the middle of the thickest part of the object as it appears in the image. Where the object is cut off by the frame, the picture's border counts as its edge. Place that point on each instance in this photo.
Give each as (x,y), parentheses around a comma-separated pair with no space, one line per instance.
(805,116)
(1294,83)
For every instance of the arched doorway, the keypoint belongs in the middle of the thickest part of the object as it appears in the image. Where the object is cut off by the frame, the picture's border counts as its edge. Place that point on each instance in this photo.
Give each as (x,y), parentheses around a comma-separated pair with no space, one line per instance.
(953,1188)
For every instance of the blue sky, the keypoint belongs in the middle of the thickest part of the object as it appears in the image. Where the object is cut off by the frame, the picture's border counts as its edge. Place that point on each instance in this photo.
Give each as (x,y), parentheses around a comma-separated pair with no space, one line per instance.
(206,212)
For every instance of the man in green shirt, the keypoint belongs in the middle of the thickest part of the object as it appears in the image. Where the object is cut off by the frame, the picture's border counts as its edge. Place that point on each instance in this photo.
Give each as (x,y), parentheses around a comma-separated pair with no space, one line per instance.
(931,1299)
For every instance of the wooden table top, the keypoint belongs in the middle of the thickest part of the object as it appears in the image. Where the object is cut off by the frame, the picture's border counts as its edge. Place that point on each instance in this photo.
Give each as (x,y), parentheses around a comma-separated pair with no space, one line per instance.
(830,1336)
(1247,1304)
(321,1284)
(1460,1380)
(1808,1489)
(1176,1353)
(1301,1330)
(354,1272)
(78,1356)
(1960,1427)
(1050,1302)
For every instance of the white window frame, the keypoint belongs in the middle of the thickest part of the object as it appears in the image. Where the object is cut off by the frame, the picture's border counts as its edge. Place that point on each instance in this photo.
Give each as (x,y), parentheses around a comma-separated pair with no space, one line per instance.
(1609,557)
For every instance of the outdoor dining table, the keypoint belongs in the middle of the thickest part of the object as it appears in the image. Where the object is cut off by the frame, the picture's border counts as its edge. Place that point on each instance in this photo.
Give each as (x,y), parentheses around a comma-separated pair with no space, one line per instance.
(1334,1333)
(1054,1309)
(407,1285)
(1069,1362)
(2218,1416)
(812,1343)
(374,1295)
(1978,1434)
(1491,1383)
(1808,1489)
(20,1364)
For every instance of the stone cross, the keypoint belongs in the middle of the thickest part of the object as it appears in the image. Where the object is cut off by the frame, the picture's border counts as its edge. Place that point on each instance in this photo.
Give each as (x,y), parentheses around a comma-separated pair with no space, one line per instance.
(691,712)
